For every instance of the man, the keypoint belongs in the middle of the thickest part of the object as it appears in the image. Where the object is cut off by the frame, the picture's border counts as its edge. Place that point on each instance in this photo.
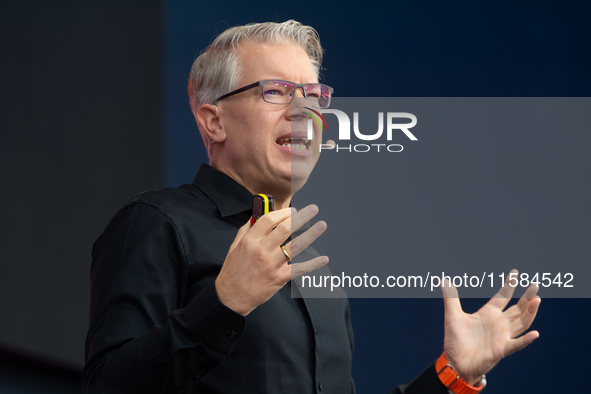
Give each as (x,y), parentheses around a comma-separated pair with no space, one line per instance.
(189,296)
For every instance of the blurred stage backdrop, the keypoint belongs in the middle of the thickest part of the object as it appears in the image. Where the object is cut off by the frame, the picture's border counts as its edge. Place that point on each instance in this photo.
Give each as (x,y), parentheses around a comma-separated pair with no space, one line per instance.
(94,110)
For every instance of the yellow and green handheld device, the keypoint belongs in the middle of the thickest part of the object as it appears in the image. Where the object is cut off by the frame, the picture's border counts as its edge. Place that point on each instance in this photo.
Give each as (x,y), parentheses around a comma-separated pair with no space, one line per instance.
(261,204)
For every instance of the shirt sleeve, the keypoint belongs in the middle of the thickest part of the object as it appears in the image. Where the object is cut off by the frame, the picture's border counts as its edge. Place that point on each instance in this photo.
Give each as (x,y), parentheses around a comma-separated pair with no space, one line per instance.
(351,339)
(140,338)
(426,382)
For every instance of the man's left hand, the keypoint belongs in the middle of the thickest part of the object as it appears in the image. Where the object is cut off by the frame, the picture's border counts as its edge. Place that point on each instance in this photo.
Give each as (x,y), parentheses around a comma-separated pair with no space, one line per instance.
(475,343)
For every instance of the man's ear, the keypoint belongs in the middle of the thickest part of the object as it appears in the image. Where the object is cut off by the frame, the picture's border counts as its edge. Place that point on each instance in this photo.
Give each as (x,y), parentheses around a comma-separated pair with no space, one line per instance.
(208,120)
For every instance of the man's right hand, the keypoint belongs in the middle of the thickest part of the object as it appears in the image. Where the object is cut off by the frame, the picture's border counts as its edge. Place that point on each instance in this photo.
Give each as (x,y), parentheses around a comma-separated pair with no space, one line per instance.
(256,268)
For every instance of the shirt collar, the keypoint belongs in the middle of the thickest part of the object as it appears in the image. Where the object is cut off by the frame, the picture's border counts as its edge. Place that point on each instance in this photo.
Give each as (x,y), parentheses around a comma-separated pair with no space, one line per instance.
(229,196)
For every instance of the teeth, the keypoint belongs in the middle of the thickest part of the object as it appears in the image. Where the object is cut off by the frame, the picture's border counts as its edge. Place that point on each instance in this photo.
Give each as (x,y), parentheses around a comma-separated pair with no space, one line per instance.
(304,140)
(295,146)
(287,142)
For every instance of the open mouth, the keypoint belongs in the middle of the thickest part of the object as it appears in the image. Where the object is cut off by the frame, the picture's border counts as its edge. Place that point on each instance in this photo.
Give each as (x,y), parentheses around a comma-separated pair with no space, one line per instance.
(294,143)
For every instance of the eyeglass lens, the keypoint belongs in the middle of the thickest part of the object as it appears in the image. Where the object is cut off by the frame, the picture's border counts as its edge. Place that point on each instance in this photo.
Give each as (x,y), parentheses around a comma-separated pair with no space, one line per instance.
(281,92)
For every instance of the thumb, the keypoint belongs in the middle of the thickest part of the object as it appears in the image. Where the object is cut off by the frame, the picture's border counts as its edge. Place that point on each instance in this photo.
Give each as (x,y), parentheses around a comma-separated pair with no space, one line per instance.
(451,298)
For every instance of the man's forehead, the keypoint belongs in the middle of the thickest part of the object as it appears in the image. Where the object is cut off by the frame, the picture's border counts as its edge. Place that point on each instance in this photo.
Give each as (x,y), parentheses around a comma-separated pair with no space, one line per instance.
(285,60)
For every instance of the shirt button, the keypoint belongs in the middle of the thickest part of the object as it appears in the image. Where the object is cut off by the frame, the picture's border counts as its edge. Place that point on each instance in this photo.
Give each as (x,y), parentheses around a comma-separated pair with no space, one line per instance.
(316,331)
(320,387)
(232,334)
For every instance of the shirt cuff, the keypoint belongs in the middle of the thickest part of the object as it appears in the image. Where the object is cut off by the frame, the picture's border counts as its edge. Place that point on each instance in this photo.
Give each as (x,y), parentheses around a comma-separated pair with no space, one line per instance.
(427,382)
(216,324)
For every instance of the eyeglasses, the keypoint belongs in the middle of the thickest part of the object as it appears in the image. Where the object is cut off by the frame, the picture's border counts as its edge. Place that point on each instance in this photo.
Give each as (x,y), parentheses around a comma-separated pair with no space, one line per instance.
(278,91)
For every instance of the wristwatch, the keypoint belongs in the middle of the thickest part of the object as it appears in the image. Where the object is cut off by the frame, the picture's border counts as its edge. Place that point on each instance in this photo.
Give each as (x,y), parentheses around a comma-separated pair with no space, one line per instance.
(452,380)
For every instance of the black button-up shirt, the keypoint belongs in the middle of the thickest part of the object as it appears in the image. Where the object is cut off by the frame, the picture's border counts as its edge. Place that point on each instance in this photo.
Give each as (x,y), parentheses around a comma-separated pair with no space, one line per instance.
(157,325)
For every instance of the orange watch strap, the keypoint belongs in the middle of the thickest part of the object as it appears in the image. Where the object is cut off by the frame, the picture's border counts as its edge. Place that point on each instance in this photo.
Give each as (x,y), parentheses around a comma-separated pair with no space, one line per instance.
(452,380)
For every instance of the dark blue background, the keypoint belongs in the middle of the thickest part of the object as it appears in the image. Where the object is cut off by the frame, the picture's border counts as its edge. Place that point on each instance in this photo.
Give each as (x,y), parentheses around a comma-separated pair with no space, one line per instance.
(94,110)
(427,48)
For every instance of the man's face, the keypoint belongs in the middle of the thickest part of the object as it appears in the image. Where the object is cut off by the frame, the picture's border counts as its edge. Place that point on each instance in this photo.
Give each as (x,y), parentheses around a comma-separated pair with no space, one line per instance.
(255,151)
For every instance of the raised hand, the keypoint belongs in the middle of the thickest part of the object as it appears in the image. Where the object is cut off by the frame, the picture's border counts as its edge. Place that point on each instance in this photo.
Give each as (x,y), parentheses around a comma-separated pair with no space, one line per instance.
(256,268)
(475,343)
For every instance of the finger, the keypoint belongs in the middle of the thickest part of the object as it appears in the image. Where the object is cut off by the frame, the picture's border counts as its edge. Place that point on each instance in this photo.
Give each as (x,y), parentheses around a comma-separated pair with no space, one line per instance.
(242,231)
(517,344)
(524,321)
(284,254)
(451,298)
(523,303)
(530,293)
(268,222)
(291,224)
(299,269)
(299,244)
(504,295)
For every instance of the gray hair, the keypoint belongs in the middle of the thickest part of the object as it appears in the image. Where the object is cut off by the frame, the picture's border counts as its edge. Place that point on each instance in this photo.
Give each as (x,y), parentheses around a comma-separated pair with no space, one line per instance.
(217,70)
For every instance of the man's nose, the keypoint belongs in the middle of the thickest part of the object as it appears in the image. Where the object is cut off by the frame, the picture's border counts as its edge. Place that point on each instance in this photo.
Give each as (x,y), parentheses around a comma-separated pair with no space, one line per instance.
(296,109)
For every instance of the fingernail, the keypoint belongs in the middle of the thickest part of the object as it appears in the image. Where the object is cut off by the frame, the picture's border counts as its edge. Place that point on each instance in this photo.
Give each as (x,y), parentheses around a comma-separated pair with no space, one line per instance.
(312,209)
(293,210)
(324,260)
(321,226)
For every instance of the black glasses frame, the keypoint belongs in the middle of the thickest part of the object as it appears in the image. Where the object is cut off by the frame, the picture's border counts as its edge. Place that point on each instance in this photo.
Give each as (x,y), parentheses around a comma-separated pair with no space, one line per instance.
(261,83)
